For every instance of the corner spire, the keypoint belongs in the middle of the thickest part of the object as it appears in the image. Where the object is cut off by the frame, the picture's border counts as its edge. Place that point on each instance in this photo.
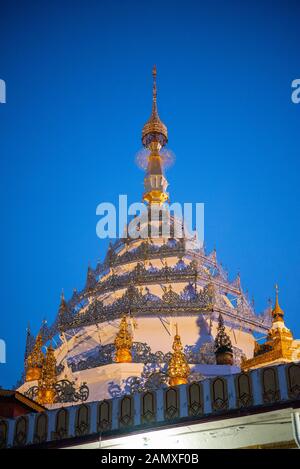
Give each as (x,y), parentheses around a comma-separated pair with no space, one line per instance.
(223,345)
(63,311)
(154,92)
(178,368)
(154,131)
(123,343)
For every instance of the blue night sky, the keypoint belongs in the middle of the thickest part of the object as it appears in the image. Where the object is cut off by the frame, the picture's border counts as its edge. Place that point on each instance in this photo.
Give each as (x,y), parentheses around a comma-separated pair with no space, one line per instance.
(78,76)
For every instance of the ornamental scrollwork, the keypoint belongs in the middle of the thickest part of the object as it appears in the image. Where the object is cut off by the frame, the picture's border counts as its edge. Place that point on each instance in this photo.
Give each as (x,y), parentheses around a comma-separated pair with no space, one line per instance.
(153,377)
(142,353)
(32,393)
(65,392)
(86,307)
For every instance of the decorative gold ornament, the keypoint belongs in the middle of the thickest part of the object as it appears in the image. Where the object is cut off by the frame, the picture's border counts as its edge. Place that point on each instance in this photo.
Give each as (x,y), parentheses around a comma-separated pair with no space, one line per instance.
(123,343)
(46,389)
(178,368)
(35,361)
(279,347)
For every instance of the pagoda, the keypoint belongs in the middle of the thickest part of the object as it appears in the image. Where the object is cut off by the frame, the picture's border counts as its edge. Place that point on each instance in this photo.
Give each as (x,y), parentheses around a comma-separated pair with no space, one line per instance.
(119,329)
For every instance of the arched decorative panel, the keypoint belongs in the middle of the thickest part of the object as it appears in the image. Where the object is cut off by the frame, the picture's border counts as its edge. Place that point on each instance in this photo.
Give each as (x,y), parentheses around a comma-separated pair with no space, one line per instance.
(270,385)
(293,380)
(244,397)
(219,394)
(126,411)
(3,434)
(21,428)
(104,416)
(82,420)
(61,425)
(40,428)
(195,399)
(171,403)
(148,407)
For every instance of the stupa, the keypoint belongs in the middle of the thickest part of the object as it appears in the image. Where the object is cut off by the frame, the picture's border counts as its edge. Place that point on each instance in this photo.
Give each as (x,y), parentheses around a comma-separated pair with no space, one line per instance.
(116,334)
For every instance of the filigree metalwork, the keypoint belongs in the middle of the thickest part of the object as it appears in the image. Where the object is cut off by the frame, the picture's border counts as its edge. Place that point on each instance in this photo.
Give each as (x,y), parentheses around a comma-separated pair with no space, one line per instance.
(203,355)
(65,391)
(87,307)
(142,353)
(104,356)
(133,301)
(32,393)
(143,252)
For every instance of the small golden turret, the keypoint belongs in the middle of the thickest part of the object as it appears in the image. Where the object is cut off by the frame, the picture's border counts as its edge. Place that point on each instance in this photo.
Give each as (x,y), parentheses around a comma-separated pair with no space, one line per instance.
(35,361)
(178,368)
(123,343)
(46,386)
(154,137)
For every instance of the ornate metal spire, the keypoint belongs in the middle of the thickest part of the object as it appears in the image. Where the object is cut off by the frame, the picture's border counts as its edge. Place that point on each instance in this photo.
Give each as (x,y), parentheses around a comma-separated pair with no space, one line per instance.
(47,381)
(277,312)
(29,342)
(35,360)
(123,343)
(223,345)
(178,368)
(90,279)
(154,92)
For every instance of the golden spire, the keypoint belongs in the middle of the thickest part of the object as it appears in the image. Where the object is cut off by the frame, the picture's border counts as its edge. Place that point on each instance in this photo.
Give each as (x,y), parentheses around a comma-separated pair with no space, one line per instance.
(123,343)
(277,312)
(35,361)
(47,381)
(178,368)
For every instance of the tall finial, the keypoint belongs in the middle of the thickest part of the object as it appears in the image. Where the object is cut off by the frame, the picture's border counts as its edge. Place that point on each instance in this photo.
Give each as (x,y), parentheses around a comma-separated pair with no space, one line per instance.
(35,360)
(277,312)
(63,311)
(154,96)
